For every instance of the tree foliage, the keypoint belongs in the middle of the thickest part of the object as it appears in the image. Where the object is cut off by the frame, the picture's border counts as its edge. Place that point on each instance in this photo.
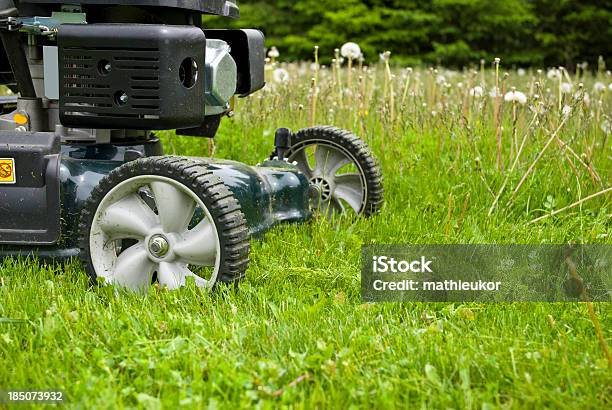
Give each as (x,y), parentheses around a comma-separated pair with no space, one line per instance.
(449,32)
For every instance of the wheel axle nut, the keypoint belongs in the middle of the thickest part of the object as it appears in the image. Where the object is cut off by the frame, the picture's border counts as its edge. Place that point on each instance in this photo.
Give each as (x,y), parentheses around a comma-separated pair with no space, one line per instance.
(158,245)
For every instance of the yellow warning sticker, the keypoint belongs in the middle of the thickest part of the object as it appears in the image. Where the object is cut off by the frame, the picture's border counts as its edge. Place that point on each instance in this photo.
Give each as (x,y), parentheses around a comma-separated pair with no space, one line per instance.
(7,171)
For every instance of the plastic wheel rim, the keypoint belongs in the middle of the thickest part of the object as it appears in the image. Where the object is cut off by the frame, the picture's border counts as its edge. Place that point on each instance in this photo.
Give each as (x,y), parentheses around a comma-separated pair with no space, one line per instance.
(326,166)
(123,214)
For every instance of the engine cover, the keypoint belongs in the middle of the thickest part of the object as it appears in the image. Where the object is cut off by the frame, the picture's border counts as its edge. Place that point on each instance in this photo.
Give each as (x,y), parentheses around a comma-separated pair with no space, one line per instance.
(138,76)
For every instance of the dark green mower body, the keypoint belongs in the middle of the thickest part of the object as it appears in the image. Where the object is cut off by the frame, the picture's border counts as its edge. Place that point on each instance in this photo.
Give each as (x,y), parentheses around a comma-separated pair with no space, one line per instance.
(271,193)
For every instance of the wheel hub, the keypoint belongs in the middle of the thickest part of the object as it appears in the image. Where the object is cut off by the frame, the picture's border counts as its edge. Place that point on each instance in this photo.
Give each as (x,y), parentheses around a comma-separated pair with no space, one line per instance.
(159,246)
(322,187)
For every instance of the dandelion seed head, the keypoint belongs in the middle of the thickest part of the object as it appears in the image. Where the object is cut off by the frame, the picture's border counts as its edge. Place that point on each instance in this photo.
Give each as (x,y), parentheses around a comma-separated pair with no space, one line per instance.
(606,127)
(599,87)
(553,73)
(350,50)
(566,88)
(521,72)
(273,52)
(440,79)
(477,91)
(280,75)
(566,110)
(538,108)
(515,96)
(384,57)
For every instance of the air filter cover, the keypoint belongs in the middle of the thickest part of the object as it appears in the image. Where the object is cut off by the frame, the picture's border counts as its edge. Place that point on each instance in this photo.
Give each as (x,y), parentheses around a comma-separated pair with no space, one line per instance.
(135,76)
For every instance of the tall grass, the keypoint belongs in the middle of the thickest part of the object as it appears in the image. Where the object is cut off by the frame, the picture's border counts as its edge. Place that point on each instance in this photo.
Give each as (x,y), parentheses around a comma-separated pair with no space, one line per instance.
(531,116)
(295,333)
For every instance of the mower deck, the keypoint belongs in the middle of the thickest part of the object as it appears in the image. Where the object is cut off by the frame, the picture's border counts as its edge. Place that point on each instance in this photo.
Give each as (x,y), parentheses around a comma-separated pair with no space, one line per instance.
(273,193)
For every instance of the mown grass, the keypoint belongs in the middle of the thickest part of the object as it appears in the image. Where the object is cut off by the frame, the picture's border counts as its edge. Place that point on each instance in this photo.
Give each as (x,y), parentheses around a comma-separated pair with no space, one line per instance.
(296,333)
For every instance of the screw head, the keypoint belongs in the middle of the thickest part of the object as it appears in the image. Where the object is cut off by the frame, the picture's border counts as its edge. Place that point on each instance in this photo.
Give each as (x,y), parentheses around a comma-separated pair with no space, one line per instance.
(121,98)
(159,246)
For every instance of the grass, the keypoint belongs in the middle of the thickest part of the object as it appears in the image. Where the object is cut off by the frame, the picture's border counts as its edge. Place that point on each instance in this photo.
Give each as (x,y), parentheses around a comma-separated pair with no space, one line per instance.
(296,333)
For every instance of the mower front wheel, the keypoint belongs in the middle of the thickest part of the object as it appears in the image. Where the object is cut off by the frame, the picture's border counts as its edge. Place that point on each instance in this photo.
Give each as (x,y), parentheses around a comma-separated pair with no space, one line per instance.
(166,220)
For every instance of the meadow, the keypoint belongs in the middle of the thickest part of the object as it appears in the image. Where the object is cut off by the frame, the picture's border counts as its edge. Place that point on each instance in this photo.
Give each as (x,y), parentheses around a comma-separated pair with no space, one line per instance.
(488,154)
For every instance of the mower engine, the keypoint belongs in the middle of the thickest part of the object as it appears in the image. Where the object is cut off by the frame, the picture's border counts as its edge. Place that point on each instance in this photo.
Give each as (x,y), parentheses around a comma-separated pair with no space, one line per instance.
(151,76)
(83,175)
(92,73)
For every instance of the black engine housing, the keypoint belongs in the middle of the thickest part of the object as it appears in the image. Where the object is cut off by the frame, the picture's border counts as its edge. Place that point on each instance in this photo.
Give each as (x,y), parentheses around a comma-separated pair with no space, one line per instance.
(153,81)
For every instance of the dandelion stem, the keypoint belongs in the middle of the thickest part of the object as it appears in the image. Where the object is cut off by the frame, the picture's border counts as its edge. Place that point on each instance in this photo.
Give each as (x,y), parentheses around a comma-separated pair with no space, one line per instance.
(560,90)
(349,81)
(406,87)
(516,159)
(496,114)
(537,159)
(589,168)
(565,208)
(593,316)
(314,86)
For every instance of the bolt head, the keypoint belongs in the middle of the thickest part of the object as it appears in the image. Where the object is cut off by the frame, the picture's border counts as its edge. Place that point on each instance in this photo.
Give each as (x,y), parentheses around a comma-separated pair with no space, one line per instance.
(159,246)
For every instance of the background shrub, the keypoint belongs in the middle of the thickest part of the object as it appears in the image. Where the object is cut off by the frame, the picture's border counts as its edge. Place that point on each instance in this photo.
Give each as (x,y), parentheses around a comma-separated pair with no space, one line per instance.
(447,32)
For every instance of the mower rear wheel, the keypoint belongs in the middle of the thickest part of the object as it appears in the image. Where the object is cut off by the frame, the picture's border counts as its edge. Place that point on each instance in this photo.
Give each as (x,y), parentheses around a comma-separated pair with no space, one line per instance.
(163,219)
(344,174)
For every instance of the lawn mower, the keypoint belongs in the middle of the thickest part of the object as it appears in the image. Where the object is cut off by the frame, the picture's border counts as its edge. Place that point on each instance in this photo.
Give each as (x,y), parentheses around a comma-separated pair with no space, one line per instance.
(83,175)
